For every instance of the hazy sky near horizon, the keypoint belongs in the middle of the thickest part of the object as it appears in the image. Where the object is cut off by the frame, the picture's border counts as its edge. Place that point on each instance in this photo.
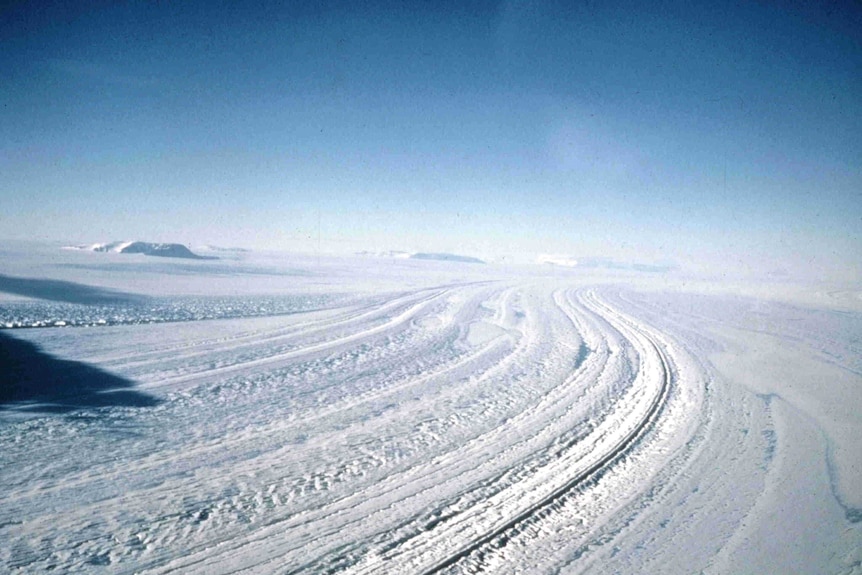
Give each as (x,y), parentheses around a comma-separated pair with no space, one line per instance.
(652,131)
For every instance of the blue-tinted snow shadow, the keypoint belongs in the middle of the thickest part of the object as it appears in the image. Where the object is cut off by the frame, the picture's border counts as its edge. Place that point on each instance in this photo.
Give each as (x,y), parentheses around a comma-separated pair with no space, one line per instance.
(70,292)
(33,380)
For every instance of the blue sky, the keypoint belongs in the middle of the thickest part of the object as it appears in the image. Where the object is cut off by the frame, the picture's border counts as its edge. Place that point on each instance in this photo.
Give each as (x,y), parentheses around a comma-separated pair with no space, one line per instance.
(650,131)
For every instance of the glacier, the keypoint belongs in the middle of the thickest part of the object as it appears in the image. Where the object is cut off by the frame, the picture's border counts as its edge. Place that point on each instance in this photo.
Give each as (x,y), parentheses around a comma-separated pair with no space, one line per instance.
(278,413)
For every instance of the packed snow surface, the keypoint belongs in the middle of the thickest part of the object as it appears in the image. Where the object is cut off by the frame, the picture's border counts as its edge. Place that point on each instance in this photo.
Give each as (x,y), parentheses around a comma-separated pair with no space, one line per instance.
(293,415)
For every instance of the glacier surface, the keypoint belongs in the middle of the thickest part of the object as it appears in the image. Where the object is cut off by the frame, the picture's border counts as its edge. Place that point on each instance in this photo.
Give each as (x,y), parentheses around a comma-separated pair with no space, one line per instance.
(289,414)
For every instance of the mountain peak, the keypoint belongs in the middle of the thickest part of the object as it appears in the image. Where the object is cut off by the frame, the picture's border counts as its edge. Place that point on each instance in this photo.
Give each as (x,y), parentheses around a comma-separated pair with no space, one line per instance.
(147,248)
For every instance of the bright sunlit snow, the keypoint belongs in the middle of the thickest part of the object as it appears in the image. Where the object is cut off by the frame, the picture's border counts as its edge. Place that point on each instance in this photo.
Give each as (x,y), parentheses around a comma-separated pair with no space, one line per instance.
(288,414)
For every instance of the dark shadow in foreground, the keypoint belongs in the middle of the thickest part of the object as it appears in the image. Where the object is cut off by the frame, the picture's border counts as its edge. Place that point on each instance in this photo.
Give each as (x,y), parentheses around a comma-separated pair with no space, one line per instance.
(70,292)
(33,380)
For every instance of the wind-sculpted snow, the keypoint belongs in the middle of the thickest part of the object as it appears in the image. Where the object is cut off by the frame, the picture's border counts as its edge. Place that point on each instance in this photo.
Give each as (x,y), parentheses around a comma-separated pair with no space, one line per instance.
(505,427)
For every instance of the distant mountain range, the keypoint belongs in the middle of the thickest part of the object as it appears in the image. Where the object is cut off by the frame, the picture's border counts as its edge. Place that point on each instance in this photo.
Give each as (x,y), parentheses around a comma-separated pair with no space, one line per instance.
(228,250)
(446,258)
(146,248)
(395,254)
(602,263)
(557,260)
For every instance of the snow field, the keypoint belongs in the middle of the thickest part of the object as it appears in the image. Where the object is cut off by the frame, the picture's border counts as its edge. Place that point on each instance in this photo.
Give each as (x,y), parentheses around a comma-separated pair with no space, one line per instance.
(501,426)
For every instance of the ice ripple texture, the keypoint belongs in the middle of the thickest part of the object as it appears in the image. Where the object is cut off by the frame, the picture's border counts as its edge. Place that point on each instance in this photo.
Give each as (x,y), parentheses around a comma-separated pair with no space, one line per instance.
(474,427)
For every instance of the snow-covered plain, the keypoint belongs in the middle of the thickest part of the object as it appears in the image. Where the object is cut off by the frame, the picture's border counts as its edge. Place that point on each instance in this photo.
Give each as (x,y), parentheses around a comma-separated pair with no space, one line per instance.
(285,414)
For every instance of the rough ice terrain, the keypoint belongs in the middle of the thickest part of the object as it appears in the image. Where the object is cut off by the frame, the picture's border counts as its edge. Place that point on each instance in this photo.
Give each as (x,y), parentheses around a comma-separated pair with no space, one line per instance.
(269,414)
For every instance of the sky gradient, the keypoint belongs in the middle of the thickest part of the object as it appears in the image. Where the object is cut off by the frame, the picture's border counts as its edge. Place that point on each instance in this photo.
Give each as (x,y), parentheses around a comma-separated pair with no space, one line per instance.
(712,133)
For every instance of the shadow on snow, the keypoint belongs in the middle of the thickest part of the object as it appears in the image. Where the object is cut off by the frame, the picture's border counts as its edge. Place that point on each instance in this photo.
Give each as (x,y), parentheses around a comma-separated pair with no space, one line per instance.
(33,380)
(69,292)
